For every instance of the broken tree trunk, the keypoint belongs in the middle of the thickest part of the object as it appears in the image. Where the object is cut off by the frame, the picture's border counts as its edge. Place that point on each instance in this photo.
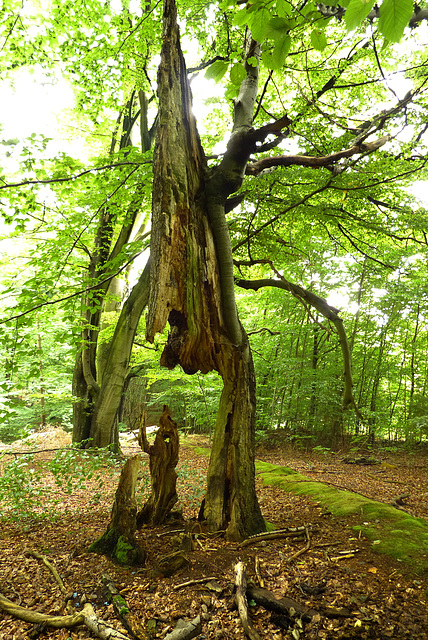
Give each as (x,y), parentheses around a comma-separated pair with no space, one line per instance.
(163,460)
(192,289)
(118,542)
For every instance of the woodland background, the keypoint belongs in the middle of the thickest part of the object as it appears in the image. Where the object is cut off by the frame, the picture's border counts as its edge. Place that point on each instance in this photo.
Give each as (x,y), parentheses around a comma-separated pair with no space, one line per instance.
(349,230)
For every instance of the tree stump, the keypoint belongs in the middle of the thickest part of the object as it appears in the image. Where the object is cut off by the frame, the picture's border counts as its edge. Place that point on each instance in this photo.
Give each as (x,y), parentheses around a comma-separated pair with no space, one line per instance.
(163,460)
(118,541)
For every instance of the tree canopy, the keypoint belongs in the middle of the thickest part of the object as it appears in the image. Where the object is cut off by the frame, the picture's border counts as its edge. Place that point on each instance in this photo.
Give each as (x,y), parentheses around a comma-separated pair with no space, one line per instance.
(312,122)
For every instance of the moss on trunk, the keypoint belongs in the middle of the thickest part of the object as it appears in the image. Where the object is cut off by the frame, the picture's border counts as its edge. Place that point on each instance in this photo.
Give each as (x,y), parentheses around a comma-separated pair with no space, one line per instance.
(119,542)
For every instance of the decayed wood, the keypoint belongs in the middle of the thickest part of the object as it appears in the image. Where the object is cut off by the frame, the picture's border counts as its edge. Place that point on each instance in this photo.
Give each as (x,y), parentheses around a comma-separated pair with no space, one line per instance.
(191,582)
(119,539)
(186,630)
(192,280)
(128,619)
(300,552)
(280,605)
(163,458)
(85,617)
(258,572)
(241,601)
(274,535)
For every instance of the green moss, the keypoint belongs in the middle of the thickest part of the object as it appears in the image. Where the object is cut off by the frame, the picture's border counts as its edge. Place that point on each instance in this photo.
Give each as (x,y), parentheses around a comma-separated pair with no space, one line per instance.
(202,451)
(392,531)
(126,553)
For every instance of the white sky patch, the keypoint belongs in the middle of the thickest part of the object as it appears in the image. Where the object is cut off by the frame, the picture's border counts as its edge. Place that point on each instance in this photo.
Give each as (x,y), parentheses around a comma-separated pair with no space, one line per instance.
(34,103)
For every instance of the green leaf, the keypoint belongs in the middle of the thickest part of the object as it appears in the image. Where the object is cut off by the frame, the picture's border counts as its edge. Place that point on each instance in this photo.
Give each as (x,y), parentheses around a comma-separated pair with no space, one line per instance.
(217,70)
(276,59)
(237,74)
(231,92)
(356,12)
(253,62)
(394,16)
(258,24)
(318,39)
(283,8)
(277,27)
(241,17)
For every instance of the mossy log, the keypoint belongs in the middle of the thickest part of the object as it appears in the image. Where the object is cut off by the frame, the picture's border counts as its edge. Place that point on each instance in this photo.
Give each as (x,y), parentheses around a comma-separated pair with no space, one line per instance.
(163,460)
(118,542)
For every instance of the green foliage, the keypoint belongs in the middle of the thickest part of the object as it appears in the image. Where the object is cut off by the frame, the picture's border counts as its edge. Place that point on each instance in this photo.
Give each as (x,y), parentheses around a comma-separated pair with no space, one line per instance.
(394,17)
(350,227)
(25,494)
(356,12)
(21,490)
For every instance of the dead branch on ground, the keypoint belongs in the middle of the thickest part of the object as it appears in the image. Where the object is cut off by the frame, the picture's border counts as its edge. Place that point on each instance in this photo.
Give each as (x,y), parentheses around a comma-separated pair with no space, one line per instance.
(241,601)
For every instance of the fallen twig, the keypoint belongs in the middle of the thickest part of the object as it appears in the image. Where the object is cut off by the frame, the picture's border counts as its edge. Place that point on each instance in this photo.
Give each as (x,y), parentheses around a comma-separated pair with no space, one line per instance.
(274,535)
(257,570)
(50,566)
(300,552)
(241,601)
(85,617)
(190,582)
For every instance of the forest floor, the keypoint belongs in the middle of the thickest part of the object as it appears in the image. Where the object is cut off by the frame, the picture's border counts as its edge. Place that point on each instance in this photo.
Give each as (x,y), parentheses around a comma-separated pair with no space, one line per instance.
(357,592)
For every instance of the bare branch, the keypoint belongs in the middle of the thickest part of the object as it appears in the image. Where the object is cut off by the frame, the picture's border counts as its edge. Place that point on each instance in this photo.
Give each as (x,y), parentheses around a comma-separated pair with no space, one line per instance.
(315,162)
(77,175)
(329,312)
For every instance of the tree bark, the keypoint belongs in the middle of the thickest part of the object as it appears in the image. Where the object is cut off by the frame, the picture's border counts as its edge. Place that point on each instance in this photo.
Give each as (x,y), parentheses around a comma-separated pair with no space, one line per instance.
(118,541)
(163,460)
(99,373)
(103,427)
(192,283)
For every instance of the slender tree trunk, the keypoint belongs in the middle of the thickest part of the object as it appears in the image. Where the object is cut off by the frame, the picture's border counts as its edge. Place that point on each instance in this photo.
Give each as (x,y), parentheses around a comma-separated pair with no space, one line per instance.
(103,424)
(100,369)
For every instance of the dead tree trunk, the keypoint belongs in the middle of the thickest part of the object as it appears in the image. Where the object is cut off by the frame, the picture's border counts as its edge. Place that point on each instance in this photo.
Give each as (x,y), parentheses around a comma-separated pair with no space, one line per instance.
(163,460)
(192,287)
(118,541)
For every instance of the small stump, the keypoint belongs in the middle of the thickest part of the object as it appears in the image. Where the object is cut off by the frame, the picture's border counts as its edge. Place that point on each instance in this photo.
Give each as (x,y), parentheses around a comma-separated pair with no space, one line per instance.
(118,542)
(163,460)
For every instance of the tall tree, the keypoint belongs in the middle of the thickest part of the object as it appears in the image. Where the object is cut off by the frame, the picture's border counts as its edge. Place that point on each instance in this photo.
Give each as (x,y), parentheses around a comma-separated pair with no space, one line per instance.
(314,165)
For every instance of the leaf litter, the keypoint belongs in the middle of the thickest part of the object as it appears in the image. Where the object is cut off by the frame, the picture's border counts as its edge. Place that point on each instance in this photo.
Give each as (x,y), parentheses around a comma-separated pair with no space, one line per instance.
(372,595)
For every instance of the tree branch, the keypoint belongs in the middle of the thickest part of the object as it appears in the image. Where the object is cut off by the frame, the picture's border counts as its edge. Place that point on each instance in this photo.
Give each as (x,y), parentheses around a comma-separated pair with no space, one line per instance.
(315,162)
(329,312)
(71,295)
(77,175)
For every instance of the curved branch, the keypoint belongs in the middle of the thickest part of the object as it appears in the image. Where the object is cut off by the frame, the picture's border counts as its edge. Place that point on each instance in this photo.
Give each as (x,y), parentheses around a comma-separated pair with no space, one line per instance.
(315,162)
(86,617)
(329,312)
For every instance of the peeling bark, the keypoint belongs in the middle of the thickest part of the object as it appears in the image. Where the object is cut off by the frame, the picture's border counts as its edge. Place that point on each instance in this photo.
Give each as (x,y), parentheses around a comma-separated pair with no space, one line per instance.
(163,460)
(192,280)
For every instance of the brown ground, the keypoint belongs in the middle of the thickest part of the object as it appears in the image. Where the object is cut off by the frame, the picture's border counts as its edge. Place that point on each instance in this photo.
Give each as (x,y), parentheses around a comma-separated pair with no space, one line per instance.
(384,599)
